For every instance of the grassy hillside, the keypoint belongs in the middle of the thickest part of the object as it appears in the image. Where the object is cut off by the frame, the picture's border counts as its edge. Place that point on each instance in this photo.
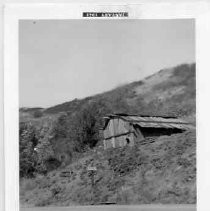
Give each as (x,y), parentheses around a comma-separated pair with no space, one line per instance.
(160,170)
(170,91)
(67,138)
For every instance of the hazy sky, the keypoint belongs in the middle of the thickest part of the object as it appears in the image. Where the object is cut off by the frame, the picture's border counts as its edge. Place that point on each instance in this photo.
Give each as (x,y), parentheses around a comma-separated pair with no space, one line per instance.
(65,59)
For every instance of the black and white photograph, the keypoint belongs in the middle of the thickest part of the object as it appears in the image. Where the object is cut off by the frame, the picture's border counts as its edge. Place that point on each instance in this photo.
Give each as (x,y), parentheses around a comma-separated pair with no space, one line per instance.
(107,114)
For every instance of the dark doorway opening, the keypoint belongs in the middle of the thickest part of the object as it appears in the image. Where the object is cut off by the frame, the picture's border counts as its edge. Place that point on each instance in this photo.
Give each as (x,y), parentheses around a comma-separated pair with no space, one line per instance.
(147,132)
(127,140)
(150,131)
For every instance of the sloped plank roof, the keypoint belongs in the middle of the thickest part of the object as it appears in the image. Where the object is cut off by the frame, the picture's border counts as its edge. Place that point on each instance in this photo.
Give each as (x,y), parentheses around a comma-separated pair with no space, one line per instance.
(163,125)
(153,121)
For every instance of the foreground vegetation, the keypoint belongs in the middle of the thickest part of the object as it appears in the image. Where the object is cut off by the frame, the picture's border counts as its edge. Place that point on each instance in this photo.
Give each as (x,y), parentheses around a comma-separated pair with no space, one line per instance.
(161,170)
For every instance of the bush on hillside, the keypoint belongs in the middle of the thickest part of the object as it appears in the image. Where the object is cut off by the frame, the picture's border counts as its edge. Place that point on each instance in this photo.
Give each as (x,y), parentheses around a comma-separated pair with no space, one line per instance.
(36,151)
(37,114)
(79,131)
(27,155)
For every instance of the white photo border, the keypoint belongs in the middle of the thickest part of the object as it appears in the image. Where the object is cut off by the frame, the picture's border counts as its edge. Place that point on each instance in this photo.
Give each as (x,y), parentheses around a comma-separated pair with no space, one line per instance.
(200,11)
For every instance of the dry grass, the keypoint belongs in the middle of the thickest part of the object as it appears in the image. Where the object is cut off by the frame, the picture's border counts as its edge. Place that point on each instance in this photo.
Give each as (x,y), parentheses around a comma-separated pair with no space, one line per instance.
(159,172)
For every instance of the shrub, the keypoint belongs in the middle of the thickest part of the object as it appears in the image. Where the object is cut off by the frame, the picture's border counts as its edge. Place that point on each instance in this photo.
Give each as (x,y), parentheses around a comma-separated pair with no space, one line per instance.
(37,114)
(52,163)
(56,190)
(27,156)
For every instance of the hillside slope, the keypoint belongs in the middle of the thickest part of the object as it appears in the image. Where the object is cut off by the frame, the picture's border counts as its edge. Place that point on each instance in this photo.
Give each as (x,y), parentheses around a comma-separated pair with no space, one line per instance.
(162,170)
(168,92)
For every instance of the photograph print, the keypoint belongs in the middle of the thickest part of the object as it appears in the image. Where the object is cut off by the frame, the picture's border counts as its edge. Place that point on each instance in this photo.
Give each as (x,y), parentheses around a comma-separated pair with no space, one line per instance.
(107,113)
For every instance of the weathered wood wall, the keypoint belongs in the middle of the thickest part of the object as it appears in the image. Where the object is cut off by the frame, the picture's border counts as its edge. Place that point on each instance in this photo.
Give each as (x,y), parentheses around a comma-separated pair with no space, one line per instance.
(119,133)
(116,127)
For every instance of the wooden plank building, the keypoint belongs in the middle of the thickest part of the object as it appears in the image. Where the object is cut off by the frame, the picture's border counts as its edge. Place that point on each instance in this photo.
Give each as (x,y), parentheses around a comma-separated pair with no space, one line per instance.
(122,129)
